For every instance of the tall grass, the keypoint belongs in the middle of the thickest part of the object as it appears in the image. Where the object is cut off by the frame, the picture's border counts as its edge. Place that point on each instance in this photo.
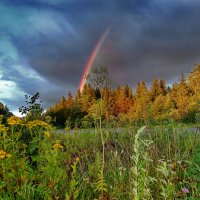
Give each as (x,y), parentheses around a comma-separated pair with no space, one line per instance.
(150,163)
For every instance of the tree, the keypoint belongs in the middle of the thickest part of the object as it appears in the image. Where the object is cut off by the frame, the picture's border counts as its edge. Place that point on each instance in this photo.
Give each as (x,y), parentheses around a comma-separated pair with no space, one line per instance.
(139,109)
(123,100)
(69,101)
(108,99)
(4,110)
(87,97)
(99,77)
(162,107)
(163,87)
(194,79)
(194,84)
(78,98)
(33,110)
(180,95)
(155,90)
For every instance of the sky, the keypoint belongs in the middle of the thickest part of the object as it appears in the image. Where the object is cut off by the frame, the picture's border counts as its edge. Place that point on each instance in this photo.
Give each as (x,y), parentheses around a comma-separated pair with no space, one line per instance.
(45,44)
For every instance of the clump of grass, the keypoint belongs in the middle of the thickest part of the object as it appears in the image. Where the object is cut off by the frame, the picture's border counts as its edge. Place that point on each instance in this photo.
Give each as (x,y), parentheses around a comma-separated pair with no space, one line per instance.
(165,183)
(141,179)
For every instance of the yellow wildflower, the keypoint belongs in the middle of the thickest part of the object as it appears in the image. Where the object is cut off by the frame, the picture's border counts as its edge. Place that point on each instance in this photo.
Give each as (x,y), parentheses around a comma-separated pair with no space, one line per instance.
(8,155)
(36,123)
(57,145)
(14,121)
(3,154)
(47,134)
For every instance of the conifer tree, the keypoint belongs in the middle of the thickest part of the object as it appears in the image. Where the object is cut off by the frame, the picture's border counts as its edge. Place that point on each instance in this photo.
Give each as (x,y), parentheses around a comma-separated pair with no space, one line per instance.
(180,95)
(162,107)
(163,87)
(139,110)
(194,84)
(87,97)
(69,101)
(194,79)
(155,90)
(77,100)
(123,100)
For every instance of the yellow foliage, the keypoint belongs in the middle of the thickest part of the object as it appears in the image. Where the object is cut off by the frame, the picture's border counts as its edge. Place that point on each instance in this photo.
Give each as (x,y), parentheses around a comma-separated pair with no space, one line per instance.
(38,123)
(175,114)
(14,121)
(3,128)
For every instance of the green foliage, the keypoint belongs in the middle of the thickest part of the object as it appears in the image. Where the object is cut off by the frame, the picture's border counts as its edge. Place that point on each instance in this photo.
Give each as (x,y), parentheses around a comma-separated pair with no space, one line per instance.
(33,110)
(101,185)
(165,181)
(155,162)
(139,172)
(4,111)
(73,184)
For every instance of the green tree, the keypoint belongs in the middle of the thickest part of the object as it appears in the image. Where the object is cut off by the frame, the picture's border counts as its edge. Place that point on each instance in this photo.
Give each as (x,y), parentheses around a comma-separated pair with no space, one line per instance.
(4,110)
(33,109)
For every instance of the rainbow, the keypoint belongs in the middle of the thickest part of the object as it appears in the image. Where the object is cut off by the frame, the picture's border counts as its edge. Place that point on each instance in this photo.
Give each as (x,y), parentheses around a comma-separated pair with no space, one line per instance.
(92,58)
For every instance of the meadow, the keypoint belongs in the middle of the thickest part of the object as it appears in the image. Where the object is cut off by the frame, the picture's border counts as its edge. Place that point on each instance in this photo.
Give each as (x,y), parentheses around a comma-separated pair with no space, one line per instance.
(148,162)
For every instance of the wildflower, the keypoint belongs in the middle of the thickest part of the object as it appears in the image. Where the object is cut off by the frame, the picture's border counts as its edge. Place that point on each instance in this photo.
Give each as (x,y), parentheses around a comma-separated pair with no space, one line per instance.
(3,154)
(57,145)
(47,134)
(3,128)
(77,159)
(14,121)
(185,190)
(8,155)
(36,123)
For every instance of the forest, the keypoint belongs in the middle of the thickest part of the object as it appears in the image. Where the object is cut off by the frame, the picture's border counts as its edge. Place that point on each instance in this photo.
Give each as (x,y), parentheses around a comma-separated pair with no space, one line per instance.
(121,106)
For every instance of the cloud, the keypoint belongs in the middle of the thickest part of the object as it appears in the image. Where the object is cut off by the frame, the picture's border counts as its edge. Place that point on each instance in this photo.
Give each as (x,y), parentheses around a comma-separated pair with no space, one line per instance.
(46,44)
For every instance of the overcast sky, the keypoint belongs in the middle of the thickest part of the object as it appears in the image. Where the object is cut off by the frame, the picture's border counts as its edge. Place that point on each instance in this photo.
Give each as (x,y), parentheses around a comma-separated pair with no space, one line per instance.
(45,44)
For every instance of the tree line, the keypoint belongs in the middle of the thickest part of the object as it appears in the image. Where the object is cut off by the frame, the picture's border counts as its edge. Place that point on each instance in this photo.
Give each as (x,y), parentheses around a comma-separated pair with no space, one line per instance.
(121,106)
(4,112)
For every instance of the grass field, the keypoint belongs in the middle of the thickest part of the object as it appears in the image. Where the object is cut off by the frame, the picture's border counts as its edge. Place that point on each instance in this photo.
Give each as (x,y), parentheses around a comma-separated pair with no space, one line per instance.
(153,162)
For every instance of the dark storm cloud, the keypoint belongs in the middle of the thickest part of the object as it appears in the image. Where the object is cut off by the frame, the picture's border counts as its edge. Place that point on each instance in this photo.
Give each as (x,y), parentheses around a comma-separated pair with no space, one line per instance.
(160,42)
(147,39)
